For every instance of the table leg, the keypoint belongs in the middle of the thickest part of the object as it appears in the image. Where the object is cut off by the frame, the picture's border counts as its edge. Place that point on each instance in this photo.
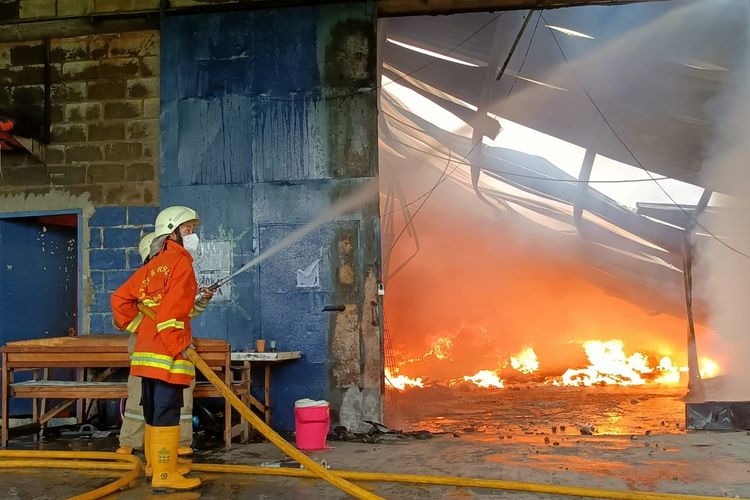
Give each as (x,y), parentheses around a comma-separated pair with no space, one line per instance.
(43,405)
(246,380)
(34,404)
(227,405)
(267,395)
(80,373)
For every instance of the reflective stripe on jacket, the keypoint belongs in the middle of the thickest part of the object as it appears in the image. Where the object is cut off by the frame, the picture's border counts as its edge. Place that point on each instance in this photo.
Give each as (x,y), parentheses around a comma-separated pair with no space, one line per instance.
(167,285)
(198,308)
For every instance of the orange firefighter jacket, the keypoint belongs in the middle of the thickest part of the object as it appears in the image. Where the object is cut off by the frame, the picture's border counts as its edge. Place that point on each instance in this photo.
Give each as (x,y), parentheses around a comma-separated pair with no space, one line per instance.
(167,285)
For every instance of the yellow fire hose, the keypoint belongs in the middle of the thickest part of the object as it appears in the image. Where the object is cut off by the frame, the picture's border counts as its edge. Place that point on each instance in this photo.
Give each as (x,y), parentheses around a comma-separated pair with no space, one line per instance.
(466,482)
(317,469)
(97,461)
(70,460)
(28,459)
(263,428)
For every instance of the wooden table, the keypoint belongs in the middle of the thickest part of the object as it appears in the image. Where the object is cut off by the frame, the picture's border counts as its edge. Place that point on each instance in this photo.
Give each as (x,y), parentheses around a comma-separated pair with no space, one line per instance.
(243,362)
(93,351)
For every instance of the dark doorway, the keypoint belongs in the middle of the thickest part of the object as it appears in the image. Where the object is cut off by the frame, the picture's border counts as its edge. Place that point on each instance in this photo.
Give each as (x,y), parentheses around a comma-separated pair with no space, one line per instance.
(40,281)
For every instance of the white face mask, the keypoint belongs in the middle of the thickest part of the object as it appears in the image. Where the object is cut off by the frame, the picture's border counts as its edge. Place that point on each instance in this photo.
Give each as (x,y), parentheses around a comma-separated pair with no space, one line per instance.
(190,242)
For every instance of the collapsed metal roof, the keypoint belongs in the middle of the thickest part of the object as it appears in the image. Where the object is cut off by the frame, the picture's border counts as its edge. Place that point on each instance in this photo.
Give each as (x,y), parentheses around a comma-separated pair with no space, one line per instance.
(633,85)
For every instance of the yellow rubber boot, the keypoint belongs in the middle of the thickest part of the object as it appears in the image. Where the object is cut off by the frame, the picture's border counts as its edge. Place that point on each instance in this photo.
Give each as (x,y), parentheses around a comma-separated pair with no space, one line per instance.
(147,449)
(124,450)
(163,444)
(182,467)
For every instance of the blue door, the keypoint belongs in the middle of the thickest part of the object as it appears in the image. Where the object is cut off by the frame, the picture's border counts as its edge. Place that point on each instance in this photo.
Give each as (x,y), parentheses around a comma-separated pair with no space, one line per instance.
(38,282)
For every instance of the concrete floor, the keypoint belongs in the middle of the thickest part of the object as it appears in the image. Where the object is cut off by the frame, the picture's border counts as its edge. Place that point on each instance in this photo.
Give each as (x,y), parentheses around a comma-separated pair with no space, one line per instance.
(716,464)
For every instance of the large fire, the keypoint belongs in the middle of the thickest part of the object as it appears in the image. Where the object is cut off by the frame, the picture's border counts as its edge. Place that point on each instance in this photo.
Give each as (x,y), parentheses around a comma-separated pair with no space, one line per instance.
(609,364)
(478,300)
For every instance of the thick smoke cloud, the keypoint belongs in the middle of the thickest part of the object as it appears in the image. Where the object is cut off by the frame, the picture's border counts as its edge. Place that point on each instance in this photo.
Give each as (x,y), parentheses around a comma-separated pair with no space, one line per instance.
(723,274)
(494,283)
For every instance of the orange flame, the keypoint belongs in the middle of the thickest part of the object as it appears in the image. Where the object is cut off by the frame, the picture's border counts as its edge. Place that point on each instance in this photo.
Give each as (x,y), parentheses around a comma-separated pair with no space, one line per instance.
(400,382)
(669,373)
(525,361)
(609,365)
(708,367)
(485,378)
(441,347)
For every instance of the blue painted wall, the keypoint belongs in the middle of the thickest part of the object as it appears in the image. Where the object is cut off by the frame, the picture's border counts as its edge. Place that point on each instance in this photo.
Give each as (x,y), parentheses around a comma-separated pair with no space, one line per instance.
(267,118)
(114,233)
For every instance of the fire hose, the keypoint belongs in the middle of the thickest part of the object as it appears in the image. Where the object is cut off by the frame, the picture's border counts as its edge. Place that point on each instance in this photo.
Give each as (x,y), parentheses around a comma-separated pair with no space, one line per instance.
(265,429)
(89,460)
(98,461)
(340,479)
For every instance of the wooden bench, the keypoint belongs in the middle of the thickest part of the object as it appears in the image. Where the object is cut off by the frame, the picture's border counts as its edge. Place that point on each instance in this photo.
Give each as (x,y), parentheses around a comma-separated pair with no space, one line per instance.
(95,351)
(64,389)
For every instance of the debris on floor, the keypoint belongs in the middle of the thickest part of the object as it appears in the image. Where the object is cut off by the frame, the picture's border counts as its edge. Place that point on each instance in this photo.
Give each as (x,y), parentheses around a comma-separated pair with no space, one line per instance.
(378,433)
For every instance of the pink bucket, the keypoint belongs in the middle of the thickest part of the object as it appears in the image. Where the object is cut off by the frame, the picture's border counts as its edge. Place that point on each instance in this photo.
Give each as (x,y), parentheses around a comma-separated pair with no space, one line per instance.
(311,424)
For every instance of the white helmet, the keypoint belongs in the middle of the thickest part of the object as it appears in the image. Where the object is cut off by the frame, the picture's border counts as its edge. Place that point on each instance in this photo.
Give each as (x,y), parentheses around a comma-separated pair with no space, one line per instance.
(144,247)
(170,219)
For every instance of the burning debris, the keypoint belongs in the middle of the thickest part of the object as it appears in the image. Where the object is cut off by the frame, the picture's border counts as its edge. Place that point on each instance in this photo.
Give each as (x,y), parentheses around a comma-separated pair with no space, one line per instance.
(486,378)
(400,382)
(611,366)
(608,365)
(535,316)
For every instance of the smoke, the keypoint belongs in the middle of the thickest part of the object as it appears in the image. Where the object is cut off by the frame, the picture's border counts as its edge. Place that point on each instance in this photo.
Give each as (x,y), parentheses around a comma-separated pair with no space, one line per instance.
(492,286)
(492,281)
(723,275)
(650,80)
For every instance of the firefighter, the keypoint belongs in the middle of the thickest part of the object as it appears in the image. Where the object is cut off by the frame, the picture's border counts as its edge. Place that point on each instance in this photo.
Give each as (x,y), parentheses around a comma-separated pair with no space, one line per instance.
(132,429)
(167,285)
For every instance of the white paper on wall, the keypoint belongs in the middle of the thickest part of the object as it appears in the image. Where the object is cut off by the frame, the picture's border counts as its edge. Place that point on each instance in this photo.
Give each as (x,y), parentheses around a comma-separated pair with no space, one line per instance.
(211,262)
(309,277)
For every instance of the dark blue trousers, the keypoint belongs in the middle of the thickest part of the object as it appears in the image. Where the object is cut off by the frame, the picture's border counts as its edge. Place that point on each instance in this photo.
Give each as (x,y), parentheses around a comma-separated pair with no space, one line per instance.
(161,402)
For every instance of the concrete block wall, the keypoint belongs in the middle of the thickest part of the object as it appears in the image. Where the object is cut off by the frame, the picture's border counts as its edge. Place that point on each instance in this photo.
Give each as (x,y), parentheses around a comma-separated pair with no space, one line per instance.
(47,9)
(103,155)
(104,133)
(113,256)
(277,126)
(35,9)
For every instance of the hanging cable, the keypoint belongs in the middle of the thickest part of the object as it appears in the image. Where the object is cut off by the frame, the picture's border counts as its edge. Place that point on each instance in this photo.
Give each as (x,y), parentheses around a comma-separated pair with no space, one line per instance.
(425,196)
(640,165)
(462,42)
(515,44)
(526,54)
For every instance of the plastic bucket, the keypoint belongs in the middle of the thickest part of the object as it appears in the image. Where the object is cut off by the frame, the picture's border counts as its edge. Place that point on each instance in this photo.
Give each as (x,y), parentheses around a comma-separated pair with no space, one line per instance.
(311,424)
